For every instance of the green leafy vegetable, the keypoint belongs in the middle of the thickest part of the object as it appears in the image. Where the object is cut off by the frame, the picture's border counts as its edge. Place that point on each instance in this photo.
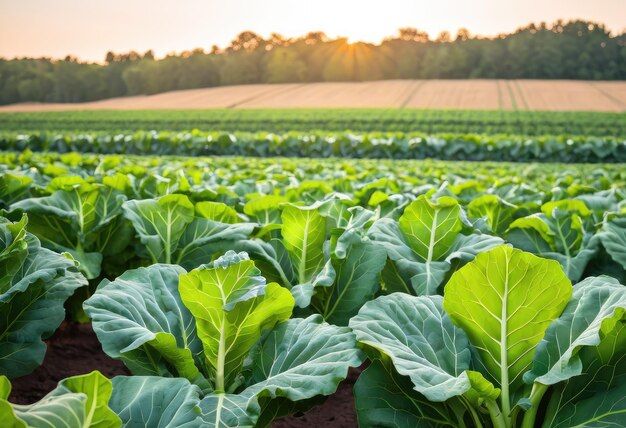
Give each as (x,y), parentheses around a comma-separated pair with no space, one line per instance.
(425,244)
(219,335)
(81,218)
(77,401)
(510,336)
(35,284)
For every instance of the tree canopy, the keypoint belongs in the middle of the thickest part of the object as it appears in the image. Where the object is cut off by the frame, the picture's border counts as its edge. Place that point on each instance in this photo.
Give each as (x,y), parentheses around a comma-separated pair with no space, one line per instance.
(563,50)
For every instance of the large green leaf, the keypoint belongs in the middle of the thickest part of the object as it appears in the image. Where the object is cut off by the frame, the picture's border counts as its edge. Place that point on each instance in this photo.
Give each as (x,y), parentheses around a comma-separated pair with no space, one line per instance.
(140,319)
(613,238)
(302,358)
(431,227)
(304,233)
(217,211)
(557,233)
(229,411)
(594,302)
(505,300)
(79,401)
(421,341)
(594,398)
(351,276)
(160,223)
(497,213)
(343,271)
(204,237)
(265,209)
(98,390)
(146,401)
(35,285)
(13,188)
(356,281)
(423,255)
(232,306)
(63,411)
(384,398)
(172,230)
(79,218)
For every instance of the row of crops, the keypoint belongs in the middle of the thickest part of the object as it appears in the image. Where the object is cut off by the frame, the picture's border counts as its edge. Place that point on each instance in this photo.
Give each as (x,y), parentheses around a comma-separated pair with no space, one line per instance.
(358,120)
(239,290)
(476,147)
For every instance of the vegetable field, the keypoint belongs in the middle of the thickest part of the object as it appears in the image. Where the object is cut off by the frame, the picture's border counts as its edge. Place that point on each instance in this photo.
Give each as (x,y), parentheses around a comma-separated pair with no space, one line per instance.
(233,288)
(491,122)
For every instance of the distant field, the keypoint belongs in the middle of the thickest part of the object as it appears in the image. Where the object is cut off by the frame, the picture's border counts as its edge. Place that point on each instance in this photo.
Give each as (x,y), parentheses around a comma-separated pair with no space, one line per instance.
(430,121)
(557,95)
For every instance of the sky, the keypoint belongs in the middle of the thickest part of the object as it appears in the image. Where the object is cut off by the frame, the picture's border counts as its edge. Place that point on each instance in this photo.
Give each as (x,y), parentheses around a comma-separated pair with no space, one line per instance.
(89,28)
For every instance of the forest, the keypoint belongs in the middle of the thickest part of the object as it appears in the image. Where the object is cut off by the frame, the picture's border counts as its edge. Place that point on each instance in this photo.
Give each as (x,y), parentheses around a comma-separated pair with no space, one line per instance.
(562,50)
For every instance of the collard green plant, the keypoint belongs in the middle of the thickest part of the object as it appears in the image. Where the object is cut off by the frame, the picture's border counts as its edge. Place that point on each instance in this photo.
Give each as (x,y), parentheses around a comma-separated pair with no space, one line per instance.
(172,230)
(216,343)
(322,254)
(81,218)
(324,144)
(78,401)
(35,284)
(426,244)
(560,232)
(497,213)
(511,336)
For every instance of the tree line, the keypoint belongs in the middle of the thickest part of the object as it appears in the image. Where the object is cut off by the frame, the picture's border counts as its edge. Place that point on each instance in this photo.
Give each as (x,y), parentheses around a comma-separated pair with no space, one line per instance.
(563,50)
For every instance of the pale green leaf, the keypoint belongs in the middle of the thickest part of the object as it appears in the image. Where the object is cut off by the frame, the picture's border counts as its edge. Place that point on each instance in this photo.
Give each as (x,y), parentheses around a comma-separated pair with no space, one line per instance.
(504,300)
(232,306)
(304,233)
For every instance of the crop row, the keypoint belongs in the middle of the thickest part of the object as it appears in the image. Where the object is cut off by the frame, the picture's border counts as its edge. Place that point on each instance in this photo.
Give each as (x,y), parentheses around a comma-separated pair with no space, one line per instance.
(306,120)
(234,300)
(512,148)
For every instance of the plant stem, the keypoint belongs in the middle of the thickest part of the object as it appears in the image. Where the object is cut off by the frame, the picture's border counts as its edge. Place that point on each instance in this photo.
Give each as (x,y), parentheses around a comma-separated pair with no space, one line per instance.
(473,414)
(458,408)
(168,239)
(221,360)
(497,418)
(504,348)
(536,395)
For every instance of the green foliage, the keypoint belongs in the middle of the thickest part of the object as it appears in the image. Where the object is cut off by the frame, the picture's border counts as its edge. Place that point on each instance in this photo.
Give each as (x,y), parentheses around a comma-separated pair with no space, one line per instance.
(77,401)
(35,284)
(559,232)
(172,230)
(425,121)
(321,253)
(426,243)
(505,147)
(509,329)
(81,218)
(207,337)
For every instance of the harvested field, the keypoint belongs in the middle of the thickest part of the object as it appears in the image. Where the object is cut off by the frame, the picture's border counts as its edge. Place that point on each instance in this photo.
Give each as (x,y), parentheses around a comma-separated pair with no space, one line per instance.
(564,95)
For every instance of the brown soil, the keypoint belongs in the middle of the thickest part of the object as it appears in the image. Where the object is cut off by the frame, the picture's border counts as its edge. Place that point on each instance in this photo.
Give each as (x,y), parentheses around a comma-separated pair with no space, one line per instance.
(463,94)
(74,349)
